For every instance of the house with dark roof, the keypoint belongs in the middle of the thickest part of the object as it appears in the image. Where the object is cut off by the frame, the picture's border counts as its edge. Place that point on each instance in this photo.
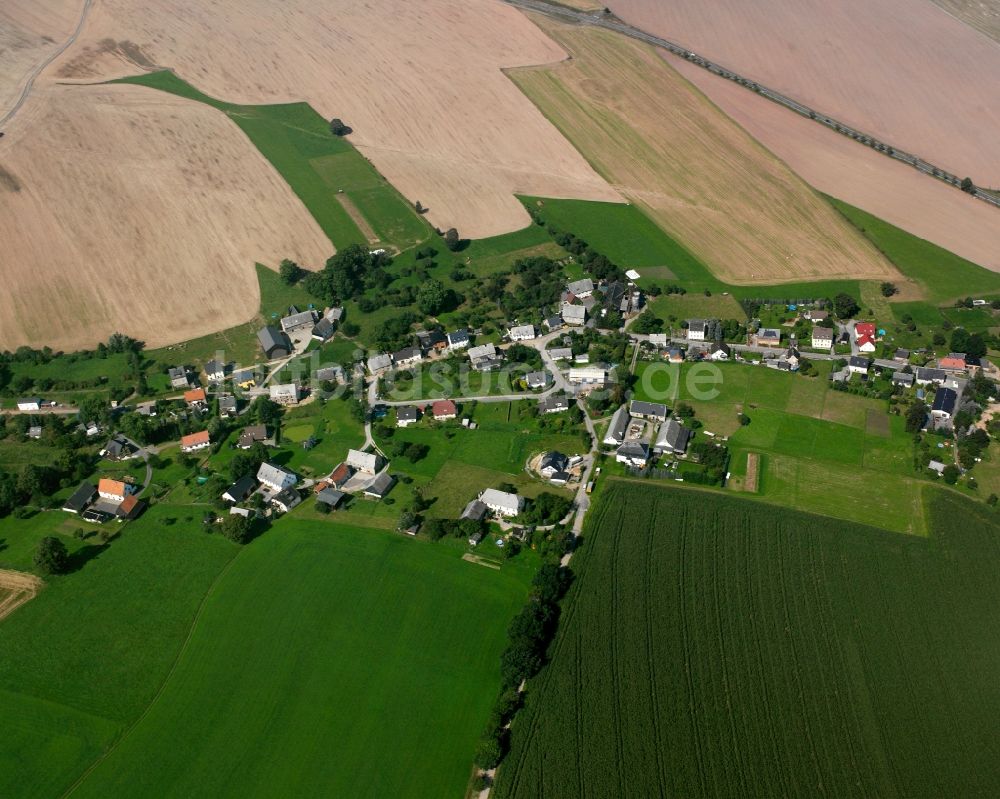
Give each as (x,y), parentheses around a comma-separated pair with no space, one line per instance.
(475,510)
(673,437)
(178,377)
(323,329)
(380,486)
(298,320)
(551,463)
(330,496)
(118,449)
(459,339)
(241,489)
(858,365)
(719,351)
(275,343)
(945,400)
(408,356)
(696,330)
(633,453)
(407,415)
(215,371)
(227,405)
(904,379)
(536,380)
(251,435)
(553,404)
(81,498)
(615,435)
(286,499)
(651,411)
(926,376)
(553,322)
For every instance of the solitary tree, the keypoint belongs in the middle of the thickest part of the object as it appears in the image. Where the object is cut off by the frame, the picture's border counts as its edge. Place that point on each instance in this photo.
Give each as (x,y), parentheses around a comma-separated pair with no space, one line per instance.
(237,528)
(888,289)
(290,272)
(51,556)
(451,239)
(845,306)
(338,128)
(968,185)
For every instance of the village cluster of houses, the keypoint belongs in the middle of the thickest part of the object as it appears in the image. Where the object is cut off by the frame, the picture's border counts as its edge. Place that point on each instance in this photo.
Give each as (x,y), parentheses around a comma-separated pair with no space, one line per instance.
(630,432)
(298,327)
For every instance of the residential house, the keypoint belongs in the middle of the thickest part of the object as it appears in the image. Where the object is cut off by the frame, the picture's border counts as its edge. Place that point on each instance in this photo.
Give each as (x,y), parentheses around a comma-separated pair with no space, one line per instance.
(146,408)
(443,410)
(275,343)
(561,353)
(817,315)
(334,374)
(953,362)
(196,398)
(297,321)
(246,513)
(945,400)
(502,503)
(407,415)
(35,432)
(633,453)
(673,437)
(195,441)
(251,435)
(581,288)
(574,314)
(936,466)
(113,490)
(380,486)
(408,356)
(559,478)
(822,338)
(240,490)
(475,510)
(29,404)
(658,339)
(118,448)
(554,404)
(130,508)
(536,380)
(696,330)
(485,358)
(459,339)
(245,379)
(286,499)
(178,377)
(902,355)
(768,337)
(368,462)
(284,393)
(582,358)
(553,323)
(551,463)
(81,498)
(521,333)
(227,405)
(588,375)
(791,357)
(720,351)
(616,430)
(926,376)
(330,497)
(675,355)
(858,365)
(651,411)
(904,379)
(275,477)
(215,371)
(864,336)
(323,329)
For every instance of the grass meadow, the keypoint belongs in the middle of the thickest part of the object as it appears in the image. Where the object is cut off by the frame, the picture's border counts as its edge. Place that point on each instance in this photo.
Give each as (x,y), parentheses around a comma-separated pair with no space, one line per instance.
(329,660)
(714,647)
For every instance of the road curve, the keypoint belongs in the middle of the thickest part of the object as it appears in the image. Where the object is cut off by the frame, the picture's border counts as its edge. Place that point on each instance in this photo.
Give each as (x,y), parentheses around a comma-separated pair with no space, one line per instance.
(29,84)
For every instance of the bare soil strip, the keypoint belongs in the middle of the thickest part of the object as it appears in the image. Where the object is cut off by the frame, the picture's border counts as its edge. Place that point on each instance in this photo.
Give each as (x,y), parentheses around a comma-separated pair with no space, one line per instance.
(354,212)
(753,470)
(16,588)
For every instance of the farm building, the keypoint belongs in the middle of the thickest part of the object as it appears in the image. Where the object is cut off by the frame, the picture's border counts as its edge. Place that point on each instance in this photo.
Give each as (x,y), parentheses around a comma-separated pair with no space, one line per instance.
(330,496)
(651,411)
(588,375)
(581,288)
(240,490)
(335,374)
(274,342)
(81,498)
(129,508)
(297,321)
(672,437)
(29,404)
(616,430)
(574,314)
(114,490)
(633,453)
(380,486)
(409,356)
(475,510)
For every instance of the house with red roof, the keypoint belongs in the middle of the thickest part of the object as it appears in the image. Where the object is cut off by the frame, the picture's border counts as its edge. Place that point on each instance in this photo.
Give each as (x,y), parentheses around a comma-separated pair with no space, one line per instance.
(443,410)
(195,441)
(953,362)
(864,336)
(195,397)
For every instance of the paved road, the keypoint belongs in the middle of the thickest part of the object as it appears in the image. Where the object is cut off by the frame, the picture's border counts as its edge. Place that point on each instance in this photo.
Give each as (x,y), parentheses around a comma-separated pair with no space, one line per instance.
(29,84)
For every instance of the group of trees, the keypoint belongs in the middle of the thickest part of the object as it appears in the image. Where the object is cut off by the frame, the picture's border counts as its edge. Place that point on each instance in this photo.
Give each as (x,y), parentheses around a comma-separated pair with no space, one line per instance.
(348,274)
(713,459)
(546,508)
(529,636)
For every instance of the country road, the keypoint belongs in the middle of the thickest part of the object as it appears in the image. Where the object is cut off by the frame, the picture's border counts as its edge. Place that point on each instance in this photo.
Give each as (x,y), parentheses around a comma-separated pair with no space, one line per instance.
(30,82)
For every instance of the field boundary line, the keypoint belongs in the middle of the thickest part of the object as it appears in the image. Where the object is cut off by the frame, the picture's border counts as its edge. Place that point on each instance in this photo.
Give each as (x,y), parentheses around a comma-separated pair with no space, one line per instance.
(159,691)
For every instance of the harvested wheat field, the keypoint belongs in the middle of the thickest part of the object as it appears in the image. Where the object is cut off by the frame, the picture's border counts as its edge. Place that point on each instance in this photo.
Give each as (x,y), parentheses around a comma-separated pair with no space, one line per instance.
(420,83)
(851,172)
(983,15)
(16,588)
(902,70)
(126,209)
(30,32)
(697,173)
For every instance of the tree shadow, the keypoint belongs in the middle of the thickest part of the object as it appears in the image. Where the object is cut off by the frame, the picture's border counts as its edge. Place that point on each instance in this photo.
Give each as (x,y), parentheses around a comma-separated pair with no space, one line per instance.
(280,458)
(3,544)
(77,560)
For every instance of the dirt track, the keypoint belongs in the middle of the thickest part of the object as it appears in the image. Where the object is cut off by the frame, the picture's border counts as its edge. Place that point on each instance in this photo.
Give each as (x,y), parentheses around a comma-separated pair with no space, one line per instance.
(16,588)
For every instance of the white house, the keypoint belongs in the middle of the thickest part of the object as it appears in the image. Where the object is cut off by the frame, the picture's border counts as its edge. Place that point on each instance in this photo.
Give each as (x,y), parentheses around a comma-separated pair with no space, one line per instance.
(822,338)
(857,365)
(458,340)
(719,351)
(407,415)
(502,503)
(634,453)
(114,490)
(410,356)
(482,351)
(215,371)
(537,379)
(379,363)
(363,461)
(945,400)
(275,477)
(553,404)
(195,441)
(29,404)
(696,330)
(284,393)
(286,499)
(521,333)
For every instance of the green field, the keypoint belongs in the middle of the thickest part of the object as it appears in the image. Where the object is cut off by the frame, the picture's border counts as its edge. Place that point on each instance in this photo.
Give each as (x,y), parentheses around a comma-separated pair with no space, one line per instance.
(328,661)
(317,165)
(712,647)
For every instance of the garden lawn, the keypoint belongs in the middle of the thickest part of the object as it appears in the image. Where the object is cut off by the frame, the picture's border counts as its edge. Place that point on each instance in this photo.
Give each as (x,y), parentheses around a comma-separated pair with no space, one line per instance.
(328,661)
